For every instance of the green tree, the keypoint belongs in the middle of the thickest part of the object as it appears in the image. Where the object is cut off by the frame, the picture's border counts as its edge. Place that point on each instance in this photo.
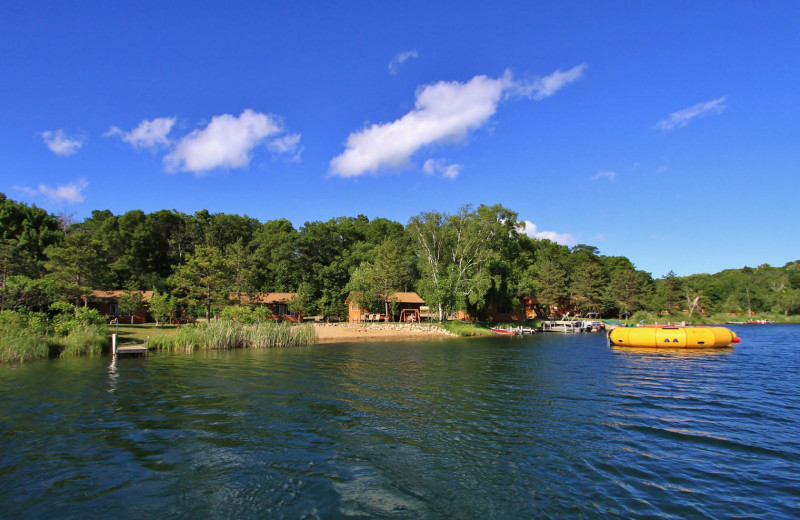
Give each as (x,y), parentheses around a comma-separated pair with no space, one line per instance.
(276,257)
(29,230)
(131,301)
(365,288)
(161,305)
(456,254)
(240,261)
(300,305)
(77,266)
(789,300)
(205,278)
(628,289)
(372,283)
(552,282)
(586,288)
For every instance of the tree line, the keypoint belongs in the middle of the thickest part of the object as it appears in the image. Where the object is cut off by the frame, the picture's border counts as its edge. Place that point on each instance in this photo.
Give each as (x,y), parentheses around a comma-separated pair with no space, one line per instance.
(466,260)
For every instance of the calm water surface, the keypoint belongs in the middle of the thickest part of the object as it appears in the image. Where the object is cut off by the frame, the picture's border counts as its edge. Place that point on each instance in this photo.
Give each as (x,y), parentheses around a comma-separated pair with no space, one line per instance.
(549,426)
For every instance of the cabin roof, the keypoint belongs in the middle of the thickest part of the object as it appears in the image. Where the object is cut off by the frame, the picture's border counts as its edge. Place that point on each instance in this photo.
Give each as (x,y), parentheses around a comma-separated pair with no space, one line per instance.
(401,297)
(265,297)
(407,297)
(114,295)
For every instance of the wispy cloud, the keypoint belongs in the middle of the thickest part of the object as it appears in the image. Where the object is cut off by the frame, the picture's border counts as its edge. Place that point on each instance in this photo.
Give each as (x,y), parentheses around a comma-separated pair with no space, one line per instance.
(444,111)
(683,117)
(226,142)
(288,145)
(61,145)
(70,193)
(151,134)
(530,229)
(398,60)
(441,167)
(545,87)
(611,176)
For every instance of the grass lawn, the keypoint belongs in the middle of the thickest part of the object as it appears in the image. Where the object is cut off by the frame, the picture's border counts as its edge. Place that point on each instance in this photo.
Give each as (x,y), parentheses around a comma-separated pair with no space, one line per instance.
(136,333)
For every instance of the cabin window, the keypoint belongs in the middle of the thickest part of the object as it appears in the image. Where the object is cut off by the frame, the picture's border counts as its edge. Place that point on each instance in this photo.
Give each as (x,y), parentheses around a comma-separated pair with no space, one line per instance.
(113,310)
(503,310)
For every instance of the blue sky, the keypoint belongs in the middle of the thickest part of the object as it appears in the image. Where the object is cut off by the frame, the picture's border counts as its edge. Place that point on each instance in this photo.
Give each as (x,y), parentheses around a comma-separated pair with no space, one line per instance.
(663,131)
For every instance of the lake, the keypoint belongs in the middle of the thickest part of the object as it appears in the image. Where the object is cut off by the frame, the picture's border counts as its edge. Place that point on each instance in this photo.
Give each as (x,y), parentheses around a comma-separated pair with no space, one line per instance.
(546,426)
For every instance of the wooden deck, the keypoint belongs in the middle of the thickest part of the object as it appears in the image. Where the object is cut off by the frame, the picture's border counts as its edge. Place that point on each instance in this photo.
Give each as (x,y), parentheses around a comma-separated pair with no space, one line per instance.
(131,349)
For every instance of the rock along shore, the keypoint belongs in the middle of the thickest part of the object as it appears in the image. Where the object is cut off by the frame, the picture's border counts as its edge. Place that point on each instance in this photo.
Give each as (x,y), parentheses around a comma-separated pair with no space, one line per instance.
(344,332)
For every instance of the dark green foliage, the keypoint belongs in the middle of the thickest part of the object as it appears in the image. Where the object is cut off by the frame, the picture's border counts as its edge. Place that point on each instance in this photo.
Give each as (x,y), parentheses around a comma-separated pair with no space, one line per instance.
(467,260)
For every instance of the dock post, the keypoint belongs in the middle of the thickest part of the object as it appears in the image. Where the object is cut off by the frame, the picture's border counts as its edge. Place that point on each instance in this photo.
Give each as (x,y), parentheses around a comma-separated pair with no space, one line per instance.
(113,344)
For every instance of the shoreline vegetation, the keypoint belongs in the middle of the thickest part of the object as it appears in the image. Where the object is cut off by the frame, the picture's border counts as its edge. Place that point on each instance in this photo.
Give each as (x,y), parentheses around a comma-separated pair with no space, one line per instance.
(224,335)
(28,340)
(64,280)
(26,337)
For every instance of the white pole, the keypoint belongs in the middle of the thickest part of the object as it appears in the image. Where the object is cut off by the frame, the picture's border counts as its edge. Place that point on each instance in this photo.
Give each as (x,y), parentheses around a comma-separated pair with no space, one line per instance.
(113,344)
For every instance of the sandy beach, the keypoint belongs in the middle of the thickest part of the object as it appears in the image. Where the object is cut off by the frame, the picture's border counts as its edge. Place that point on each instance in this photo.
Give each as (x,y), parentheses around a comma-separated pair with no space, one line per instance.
(346,332)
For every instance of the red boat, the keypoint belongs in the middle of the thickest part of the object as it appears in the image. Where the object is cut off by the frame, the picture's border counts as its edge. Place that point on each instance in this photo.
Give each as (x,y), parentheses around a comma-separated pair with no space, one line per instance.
(504,332)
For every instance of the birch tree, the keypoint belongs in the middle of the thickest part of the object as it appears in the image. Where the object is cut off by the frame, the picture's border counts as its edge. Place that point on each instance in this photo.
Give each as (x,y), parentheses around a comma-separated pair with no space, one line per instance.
(455,252)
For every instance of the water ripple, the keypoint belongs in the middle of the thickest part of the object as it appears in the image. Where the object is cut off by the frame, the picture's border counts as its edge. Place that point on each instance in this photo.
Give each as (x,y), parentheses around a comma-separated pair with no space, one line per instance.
(542,427)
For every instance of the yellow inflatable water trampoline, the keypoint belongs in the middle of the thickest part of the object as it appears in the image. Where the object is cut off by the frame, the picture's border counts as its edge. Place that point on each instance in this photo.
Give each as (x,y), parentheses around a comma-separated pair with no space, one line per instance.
(672,337)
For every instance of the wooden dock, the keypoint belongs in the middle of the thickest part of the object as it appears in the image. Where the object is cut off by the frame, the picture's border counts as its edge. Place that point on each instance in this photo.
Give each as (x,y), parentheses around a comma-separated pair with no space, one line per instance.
(126,349)
(131,349)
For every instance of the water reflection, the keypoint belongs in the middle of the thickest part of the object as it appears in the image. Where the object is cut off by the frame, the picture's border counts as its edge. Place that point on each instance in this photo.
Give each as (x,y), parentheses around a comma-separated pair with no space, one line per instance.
(674,352)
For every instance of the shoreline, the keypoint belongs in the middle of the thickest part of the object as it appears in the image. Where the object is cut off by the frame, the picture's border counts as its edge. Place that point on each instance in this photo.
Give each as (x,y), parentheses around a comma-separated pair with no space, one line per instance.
(350,332)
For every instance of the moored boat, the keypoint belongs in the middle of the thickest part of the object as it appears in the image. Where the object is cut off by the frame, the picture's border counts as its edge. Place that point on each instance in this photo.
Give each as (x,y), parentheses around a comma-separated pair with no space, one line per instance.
(672,337)
(504,332)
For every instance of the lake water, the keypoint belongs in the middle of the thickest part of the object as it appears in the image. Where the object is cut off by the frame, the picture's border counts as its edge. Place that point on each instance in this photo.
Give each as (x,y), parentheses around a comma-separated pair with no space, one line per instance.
(549,426)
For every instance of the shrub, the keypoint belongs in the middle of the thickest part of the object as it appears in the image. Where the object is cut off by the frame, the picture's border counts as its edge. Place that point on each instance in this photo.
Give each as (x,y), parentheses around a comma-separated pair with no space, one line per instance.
(64,323)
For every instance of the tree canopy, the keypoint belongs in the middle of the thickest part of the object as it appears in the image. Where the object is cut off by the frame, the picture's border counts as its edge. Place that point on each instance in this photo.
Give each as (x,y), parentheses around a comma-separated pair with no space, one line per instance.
(463,260)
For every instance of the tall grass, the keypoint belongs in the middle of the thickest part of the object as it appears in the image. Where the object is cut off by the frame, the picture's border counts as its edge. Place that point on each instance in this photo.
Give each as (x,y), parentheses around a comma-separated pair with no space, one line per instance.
(82,340)
(18,345)
(465,328)
(231,334)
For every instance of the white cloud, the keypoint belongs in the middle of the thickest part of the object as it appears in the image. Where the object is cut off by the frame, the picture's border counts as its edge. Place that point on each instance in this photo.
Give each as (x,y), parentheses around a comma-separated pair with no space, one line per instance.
(60,144)
(530,229)
(148,135)
(444,111)
(69,193)
(287,145)
(541,88)
(399,60)
(226,142)
(440,166)
(683,117)
(611,176)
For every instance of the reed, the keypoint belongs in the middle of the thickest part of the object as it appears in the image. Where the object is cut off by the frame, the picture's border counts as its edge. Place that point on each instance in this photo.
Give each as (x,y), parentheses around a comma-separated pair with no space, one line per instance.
(231,334)
(465,328)
(81,341)
(18,345)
